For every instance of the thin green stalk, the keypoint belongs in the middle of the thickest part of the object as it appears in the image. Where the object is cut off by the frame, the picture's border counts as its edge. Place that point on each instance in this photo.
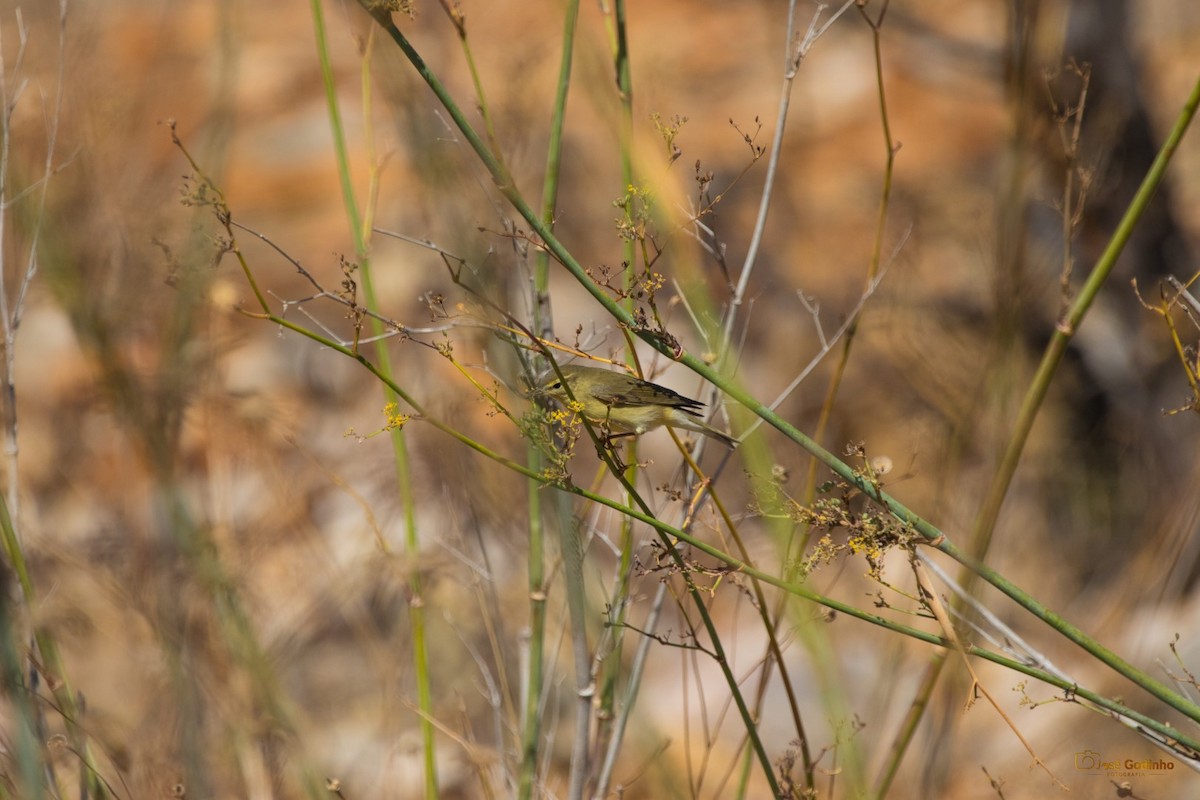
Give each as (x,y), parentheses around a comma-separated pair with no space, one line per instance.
(625,127)
(52,664)
(531,708)
(558,117)
(25,749)
(1066,328)
(641,655)
(544,325)
(459,21)
(985,524)
(237,631)
(618,33)
(571,545)
(360,230)
(619,609)
(908,727)
(542,322)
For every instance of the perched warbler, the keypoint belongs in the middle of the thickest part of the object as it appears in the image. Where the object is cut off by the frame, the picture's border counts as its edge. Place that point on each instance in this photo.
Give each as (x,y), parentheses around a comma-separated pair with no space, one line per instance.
(628,405)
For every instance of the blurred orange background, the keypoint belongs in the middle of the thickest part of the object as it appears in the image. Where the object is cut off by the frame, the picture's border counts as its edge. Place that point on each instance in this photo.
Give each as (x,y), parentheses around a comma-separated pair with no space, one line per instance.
(141,389)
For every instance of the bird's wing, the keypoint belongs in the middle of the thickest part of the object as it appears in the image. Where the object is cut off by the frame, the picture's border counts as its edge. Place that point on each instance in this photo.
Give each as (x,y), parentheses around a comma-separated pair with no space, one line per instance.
(643,393)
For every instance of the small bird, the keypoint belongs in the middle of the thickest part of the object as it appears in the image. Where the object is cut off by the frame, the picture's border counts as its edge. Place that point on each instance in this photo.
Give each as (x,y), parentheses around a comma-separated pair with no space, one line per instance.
(628,405)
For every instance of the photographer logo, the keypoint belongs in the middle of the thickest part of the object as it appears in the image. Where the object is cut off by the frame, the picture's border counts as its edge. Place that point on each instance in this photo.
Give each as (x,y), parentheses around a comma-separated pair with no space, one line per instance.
(1093,761)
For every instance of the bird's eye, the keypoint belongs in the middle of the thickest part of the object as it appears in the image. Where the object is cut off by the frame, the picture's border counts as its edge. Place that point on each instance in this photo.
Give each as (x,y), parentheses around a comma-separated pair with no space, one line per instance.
(556,385)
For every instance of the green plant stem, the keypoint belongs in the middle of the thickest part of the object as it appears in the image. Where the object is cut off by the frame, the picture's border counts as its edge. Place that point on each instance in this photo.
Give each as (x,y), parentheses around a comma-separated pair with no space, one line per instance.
(569,542)
(25,748)
(908,727)
(641,655)
(459,20)
(52,664)
(360,230)
(571,545)
(531,710)
(611,672)
(25,774)
(543,324)
(1066,328)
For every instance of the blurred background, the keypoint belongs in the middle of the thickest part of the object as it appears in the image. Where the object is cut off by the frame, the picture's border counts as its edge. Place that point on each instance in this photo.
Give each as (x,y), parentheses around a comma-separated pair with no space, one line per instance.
(150,409)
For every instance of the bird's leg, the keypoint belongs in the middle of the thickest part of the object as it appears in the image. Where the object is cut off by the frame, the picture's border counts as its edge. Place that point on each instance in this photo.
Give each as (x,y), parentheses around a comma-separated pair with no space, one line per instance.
(609,436)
